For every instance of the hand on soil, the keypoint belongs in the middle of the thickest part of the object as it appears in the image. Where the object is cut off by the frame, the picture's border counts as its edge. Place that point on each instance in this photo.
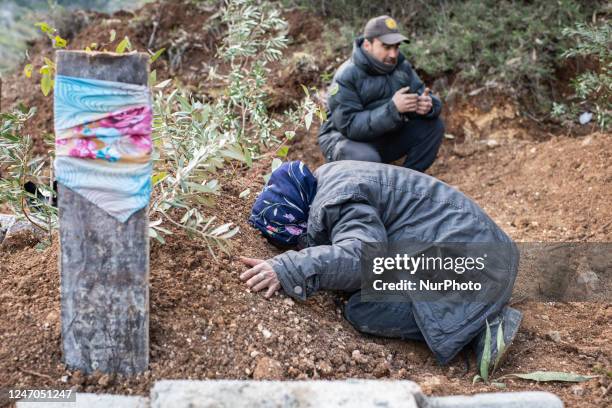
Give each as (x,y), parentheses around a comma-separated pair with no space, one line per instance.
(260,276)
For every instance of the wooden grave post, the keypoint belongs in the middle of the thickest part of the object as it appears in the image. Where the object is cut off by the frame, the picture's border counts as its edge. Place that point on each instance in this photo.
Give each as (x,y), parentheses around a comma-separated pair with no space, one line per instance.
(104,263)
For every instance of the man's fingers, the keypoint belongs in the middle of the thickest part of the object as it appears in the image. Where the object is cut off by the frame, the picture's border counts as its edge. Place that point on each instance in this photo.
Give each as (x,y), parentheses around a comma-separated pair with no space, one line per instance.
(271,290)
(264,283)
(426,92)
(256,278)
(405,90)
(251,272)
(251,261)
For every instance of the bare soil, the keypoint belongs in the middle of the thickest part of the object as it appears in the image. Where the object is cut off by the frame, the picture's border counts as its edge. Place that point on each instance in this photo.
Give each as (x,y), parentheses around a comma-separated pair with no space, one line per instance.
(206,325)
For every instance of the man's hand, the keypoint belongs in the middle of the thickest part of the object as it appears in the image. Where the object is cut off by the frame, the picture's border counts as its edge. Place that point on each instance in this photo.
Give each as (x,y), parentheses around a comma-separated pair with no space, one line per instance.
(404,101)
(424,103)
(260,276)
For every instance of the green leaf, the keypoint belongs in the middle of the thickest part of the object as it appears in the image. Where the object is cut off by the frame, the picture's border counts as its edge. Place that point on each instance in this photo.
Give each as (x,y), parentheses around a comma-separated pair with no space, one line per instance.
(476,379)
(221,229)
(234,152)
(290,134)
(125,43)
(163,84)
(27,70)
(308,120)
(248,157)
(45,28)
(152,77)
(158,177)
(245,193)
(45,84)
(485,362)
(276,163)
(283,151)
(113,34)
(501,345)
(498,384)
(155,56)
(59,42)
(551,376)
(50,63)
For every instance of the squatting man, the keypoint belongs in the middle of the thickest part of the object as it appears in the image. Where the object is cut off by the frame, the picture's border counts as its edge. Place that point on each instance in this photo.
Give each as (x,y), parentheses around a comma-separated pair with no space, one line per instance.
(323,219)
(378,109)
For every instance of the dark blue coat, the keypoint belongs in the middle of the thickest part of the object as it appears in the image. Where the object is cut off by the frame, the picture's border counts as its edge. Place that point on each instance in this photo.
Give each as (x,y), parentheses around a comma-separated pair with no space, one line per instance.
(360,102)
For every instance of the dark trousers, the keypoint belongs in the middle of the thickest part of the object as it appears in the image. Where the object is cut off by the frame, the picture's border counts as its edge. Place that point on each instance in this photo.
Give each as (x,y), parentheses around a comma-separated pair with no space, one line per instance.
(418,139)
(385,319)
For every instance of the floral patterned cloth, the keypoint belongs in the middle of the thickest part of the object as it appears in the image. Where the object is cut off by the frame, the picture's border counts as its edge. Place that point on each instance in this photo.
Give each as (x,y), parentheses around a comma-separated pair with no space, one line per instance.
(103,142)
(123,135)
(281,209)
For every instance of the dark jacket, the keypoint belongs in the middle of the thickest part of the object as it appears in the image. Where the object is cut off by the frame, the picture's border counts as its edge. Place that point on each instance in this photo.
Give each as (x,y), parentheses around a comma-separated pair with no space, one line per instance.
(360,102)
(358,203)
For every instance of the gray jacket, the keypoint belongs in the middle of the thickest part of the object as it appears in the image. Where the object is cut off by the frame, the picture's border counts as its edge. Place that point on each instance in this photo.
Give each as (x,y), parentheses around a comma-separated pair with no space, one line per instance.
(360,202)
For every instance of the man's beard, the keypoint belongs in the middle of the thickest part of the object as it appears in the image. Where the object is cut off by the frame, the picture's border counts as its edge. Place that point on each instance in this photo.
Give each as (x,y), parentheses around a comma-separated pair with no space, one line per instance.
(390,61)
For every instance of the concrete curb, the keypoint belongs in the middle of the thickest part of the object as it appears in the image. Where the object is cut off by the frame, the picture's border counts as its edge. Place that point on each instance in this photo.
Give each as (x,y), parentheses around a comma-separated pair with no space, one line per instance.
(528,399)
(294,394)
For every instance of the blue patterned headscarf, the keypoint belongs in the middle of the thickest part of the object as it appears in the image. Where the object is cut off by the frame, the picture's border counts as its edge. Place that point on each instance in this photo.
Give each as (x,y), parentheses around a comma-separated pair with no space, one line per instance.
(281,210)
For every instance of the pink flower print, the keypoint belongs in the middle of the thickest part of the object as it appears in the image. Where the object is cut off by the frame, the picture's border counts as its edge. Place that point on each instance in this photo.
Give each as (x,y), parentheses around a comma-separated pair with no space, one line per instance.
(294,230)
(138,120)
(290,217)
(271,229)
(143,142)
(61,142)
(83,148)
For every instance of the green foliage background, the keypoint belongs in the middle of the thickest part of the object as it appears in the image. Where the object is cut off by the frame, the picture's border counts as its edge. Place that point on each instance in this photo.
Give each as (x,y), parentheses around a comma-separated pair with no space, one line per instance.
(17,18)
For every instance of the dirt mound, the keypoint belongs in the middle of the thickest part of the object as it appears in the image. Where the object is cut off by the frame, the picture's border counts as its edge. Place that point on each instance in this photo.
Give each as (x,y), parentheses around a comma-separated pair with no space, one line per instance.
(204,324)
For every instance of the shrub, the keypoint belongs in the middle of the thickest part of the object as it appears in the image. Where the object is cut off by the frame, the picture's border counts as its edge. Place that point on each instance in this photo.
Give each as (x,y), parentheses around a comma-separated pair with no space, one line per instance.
(593,87)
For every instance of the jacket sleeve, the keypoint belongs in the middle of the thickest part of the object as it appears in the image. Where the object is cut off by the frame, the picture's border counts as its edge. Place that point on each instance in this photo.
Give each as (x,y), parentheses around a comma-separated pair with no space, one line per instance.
(357,123)
(335,266)
(436,107)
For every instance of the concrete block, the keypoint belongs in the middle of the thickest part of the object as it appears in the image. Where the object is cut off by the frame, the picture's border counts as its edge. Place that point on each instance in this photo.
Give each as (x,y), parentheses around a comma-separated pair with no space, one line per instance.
(528,399)
(85,400)
(277,394)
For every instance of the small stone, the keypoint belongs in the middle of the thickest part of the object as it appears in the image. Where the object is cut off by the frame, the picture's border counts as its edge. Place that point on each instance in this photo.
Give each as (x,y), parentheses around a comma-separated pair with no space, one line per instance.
(585,118)
(268,369)
(289,302)
(254,353)
(266,333)
(64,378)
(492,143)
(577,390)
(554,336)
(324,367)
(77,378)
(104,380)
(381,370)
(358,357)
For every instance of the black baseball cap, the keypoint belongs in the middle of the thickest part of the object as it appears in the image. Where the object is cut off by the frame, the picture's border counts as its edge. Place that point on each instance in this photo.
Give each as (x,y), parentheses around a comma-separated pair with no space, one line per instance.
(385,29)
